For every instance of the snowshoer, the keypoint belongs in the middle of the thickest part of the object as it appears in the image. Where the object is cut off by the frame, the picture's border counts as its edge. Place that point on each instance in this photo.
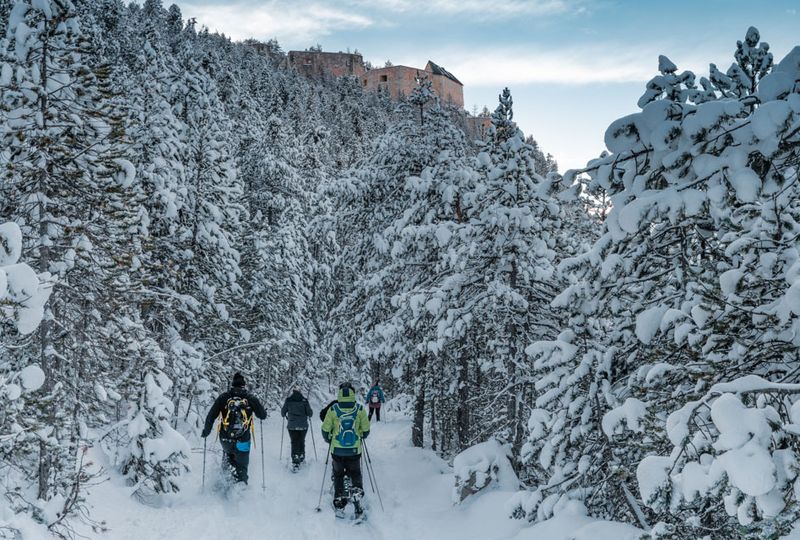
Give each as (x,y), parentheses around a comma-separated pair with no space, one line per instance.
(345,426)
(297,411)
(375,398)
(236,409)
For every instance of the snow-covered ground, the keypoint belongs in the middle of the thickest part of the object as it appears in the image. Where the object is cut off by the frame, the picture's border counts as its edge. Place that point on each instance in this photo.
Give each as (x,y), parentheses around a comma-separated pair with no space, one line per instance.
(415,484)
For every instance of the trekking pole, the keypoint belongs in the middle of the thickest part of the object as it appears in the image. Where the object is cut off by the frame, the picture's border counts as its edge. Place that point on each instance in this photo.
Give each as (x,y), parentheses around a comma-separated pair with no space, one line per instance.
(263,474)
(203,486)
(282,422)
(313,441)
(369,466)
(324,474)
(369,471)
(369,475)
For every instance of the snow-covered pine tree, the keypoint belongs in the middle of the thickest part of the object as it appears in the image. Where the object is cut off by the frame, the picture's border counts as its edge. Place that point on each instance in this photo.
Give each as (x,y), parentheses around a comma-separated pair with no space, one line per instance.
(156,454)
(67,182)
(545,163)
(661,318)
(213,216)
(277,260)
(508,252)
(740,323)
(417,276)
(22,297)
(157,151)
(369,198)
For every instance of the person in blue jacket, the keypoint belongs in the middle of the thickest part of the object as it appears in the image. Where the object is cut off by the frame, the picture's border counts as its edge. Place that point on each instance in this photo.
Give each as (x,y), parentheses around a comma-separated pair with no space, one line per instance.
(375,398)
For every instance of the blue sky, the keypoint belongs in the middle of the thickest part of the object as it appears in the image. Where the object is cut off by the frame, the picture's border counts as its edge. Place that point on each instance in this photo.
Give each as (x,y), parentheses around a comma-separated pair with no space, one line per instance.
(573,66)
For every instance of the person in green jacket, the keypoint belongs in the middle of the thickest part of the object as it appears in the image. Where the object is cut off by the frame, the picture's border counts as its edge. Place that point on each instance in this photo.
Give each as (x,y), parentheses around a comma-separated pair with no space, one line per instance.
(345,426)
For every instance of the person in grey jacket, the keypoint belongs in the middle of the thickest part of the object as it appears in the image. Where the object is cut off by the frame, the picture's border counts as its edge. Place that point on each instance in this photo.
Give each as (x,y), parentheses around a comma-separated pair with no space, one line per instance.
(297,411)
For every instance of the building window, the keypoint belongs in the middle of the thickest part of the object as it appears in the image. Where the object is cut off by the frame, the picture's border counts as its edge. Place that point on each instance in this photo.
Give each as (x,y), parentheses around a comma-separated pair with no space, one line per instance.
(365,82)
(307,61)
(384,78)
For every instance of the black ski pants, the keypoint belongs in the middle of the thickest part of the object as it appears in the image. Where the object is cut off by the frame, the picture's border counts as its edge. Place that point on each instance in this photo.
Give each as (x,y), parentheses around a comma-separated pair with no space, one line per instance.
(377,411)
(298,438)
(237,457)
(346,466)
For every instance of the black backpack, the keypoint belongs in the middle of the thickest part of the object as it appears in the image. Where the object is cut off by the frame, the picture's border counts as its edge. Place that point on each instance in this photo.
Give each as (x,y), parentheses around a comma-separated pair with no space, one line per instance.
(324,410)
(237,419)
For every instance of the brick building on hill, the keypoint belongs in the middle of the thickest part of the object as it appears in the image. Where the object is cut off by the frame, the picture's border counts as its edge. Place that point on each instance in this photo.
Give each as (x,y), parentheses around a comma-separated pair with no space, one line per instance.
(396,81)
(399,81)
(317,64)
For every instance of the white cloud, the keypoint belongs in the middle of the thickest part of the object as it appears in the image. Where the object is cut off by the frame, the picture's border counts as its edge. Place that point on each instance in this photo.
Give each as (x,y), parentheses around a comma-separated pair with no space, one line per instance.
(293,24)
(553,66)
(567,65)
(481,7)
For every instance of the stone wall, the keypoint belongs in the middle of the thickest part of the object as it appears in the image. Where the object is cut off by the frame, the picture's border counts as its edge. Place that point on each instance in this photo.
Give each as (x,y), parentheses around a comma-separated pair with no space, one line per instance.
(396,81)
(449,91)
(400,81)
(477,127)
(326,64)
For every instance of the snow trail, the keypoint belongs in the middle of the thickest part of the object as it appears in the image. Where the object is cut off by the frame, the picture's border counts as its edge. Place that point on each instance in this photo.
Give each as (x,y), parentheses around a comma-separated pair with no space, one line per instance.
(415,484)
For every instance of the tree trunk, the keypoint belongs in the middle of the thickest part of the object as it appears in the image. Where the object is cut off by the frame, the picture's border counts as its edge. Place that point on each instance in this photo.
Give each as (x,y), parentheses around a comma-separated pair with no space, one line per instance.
(433,424)
(176,402)
(462,412)
(44,266)
(418,428)
(514,405)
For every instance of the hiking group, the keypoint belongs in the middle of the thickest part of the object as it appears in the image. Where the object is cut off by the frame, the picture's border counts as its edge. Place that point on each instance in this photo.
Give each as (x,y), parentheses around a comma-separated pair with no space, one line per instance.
(345,427)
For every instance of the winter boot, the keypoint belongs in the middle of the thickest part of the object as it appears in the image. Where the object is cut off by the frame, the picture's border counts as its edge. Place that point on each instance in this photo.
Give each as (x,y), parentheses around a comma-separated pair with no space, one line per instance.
(358,494)
(338,506)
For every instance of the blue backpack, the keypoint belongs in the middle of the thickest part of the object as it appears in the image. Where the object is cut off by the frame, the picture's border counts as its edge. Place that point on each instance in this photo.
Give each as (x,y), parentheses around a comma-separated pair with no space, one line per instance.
(347,436)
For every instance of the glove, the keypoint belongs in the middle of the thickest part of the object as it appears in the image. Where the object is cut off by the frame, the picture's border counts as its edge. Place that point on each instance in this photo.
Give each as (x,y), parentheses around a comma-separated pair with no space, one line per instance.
(205,433)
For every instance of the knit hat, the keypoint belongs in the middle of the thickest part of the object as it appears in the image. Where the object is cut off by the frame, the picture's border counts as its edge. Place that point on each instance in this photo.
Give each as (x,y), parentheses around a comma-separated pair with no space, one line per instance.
(238,380)
(346,394)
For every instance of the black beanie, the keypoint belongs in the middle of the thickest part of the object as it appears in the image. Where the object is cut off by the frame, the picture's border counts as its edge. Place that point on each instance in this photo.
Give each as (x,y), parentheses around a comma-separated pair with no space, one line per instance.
(238,380)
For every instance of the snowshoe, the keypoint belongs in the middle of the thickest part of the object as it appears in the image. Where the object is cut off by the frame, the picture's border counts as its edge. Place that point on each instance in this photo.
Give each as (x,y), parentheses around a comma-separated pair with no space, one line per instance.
(235,492)
(295,467)
(339,513)
(359,516)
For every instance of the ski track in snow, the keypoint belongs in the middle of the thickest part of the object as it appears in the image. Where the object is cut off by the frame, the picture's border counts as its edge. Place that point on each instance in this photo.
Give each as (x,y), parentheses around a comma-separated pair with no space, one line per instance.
(415,484)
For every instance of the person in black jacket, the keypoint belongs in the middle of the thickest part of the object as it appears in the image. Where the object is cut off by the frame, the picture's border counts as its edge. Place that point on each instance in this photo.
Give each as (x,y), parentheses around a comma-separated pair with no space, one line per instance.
(297,411)
(236,409)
